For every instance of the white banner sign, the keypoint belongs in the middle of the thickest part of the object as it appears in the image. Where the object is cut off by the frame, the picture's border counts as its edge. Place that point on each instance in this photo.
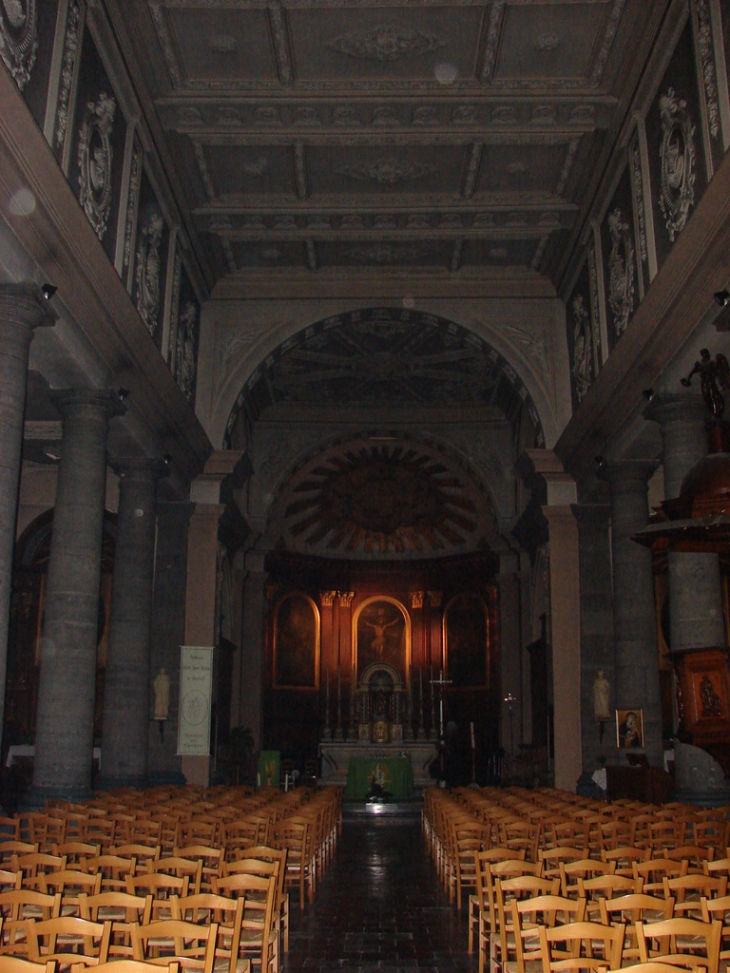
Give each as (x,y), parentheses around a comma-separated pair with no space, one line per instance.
(196,681)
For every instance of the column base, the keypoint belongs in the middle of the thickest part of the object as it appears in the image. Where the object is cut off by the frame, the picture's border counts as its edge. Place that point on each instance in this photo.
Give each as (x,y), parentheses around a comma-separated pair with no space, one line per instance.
(105,783)
(37,796)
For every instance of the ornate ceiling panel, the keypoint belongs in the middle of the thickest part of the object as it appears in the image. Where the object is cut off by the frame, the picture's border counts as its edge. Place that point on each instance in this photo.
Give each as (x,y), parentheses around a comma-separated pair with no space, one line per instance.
(330,129)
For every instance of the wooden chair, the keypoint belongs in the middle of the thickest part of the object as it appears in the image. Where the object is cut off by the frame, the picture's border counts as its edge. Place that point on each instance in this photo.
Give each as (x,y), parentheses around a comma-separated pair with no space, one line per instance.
(69,884)
(113,870)
(12,848)
(551,858)
(267,868)
(14,964)
(527,916)
(191,945)
(141,853)
(584,868)
(75,851)
(16,907)
(34,865)
(688,890)
(68,939)
(161,887)
(502,944)
(121,909)
(719,909)
(191,867)
(294,838)
(572,946)
(119,966)
(631,909)
(212,859)
(694,855)
(478,902)
(259,938)
(226,912)
(655,870)
(624,856)
(595,890)
(683,942)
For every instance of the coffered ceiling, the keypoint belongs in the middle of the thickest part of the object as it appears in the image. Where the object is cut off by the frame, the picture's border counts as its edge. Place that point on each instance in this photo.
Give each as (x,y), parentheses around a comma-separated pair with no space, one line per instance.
(313,137)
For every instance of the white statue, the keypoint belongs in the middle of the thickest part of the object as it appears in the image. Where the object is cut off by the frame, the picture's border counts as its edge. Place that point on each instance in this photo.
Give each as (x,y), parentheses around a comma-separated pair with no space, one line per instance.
(161,686)
(601,692)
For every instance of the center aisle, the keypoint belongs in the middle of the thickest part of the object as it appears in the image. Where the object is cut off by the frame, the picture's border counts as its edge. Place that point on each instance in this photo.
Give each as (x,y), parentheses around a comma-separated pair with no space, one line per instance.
(380,907)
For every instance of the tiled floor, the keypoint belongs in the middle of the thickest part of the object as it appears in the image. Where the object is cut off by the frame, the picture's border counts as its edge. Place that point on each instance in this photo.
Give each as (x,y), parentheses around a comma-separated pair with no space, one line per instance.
(379,908)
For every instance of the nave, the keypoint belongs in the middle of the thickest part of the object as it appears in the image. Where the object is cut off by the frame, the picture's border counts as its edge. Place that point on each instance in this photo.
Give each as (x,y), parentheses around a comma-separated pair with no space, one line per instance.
(380,907)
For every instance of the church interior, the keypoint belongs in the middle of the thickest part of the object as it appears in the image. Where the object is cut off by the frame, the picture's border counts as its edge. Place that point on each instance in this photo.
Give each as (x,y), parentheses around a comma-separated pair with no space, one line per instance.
(362,389)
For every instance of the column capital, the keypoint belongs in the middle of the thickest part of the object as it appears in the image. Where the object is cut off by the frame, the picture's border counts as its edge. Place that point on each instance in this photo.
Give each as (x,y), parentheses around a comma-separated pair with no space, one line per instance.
(26,304)
(140,468)
(627,471)
(669,407)
(104,400)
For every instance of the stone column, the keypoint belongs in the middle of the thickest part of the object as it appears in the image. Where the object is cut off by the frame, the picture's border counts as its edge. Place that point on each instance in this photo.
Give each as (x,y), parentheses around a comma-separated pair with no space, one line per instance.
(510,642)
(695,590)
(22,309)
(65,721)
(634,616)
(565,629)
(127,679)
(252,648)
(164,766)
(596,625)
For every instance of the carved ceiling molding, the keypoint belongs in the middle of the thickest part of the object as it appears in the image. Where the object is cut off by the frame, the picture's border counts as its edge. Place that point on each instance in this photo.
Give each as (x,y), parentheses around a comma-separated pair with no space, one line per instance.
(537,137)
(385,43)
(179,114)
(494,34)
(282,43)
(607,42)
(567,166)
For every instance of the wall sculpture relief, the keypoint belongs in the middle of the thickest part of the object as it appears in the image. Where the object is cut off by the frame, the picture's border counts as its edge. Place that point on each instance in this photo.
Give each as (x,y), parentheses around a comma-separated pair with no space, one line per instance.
(148,270)
(19,38)
(582,347)
(95,158)
(621,286)
(678,162)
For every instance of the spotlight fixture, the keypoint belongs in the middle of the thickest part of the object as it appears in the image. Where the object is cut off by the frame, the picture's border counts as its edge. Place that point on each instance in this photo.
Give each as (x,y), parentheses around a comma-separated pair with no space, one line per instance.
(167,459)
(601,463)
(48,291)
(122,393)
(722,298)
(648,393)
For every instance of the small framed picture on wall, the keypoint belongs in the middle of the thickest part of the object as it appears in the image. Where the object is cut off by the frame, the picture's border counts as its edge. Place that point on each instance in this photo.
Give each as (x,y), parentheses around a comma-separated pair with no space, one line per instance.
(629,728)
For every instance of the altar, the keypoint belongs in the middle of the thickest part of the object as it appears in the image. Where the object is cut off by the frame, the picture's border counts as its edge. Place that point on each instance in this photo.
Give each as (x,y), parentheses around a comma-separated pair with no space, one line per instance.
(337,755)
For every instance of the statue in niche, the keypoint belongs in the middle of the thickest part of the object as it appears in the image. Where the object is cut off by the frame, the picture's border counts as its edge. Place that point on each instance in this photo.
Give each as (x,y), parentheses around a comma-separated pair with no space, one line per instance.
(380,627)
(148,271)
(601,697)
(161,686)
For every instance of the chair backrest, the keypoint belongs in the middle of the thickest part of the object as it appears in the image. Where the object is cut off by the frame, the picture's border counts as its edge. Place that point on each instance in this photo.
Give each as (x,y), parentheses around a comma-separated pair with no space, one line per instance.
(66,934)
(189,942)
(117,966)
(698,940)
(190,867)
(14,964)
(108,905)
(572,946)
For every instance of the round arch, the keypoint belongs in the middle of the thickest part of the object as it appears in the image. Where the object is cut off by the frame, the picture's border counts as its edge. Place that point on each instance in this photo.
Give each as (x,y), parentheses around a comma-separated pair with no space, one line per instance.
(503,386)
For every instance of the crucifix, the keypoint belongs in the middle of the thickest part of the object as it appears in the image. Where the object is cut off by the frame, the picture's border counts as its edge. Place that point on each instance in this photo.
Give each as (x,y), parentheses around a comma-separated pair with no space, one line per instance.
(441,683)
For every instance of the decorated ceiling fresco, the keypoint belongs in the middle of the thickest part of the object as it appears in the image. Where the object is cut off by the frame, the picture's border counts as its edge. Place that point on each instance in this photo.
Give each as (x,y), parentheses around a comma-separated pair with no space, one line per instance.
(383,493)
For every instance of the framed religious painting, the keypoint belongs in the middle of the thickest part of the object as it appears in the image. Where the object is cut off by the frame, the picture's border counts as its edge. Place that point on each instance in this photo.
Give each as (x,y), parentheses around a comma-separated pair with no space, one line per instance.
(381,634)
(629,728)
(296,642)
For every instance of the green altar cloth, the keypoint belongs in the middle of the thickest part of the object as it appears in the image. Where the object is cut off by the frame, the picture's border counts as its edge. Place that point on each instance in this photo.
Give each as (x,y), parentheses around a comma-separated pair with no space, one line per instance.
(395,776)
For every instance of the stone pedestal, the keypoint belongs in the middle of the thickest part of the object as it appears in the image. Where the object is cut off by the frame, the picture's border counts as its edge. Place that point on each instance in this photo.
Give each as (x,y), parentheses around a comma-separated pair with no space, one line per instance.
(22,309)
(65,721)
(126,684)
(634,616)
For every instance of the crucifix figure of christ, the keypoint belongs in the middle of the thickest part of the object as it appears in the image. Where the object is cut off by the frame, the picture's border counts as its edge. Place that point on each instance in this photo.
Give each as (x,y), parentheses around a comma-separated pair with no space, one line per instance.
(441,683)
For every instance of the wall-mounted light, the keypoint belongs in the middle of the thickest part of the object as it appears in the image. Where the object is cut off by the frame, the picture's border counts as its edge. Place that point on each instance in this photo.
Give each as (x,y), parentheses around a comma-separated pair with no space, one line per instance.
(648,394)
(122,393)
(722,298)
(48,291)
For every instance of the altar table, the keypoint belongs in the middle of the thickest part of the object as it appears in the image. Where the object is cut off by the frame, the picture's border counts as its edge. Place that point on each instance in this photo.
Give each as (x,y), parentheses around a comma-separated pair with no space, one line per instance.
(394,774)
